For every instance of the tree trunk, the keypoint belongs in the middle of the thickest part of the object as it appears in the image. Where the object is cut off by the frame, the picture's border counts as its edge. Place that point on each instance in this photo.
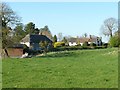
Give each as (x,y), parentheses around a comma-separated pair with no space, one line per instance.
(6,52)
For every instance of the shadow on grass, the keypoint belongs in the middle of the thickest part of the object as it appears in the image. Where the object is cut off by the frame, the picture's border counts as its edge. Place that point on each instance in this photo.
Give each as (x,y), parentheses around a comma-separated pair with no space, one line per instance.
(59,54)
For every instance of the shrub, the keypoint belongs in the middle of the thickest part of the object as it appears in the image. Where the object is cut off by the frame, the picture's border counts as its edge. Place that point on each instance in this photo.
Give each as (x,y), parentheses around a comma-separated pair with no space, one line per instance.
(114,41)
(78,44)
(92,44)
(85,44)
(105,45)
(59,44)
(100,47)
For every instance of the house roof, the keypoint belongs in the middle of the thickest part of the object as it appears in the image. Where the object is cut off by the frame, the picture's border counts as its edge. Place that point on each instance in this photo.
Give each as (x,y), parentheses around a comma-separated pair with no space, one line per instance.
(92,40)
(84,39)
(35,38)
(72,39)
(39,38)
(26,38)
(18,46)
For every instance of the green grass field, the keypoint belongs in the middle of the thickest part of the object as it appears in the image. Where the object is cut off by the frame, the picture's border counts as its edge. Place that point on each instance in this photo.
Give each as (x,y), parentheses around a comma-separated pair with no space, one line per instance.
(73,69)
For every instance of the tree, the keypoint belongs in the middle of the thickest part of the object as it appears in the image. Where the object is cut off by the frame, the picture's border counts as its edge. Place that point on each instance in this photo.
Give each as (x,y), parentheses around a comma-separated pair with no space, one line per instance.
(78,41)
(55,38)
(30,28)
(19,33)
(45,31)
(109,26)
(115,41)
(60,36)
(85,35)
(36,31)
(65,40)
(8,17)
(44,46)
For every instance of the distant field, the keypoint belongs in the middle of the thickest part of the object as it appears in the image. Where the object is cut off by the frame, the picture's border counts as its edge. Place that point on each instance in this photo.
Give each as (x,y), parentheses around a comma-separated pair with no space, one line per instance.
(73,69)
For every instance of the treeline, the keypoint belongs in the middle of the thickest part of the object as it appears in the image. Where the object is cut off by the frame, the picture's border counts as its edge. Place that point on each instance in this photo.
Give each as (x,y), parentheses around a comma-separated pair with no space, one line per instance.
(14,35)
(10,35)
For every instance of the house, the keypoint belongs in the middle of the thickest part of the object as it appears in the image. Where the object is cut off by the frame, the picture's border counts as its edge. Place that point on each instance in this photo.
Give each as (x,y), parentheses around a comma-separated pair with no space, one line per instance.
(33,41)
(72,41)
(91,39)
(17,50)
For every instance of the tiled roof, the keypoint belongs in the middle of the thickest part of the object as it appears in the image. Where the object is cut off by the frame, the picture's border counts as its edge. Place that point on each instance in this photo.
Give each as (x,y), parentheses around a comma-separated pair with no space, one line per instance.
(72,40)
(26,38)
(83,39)
(39,38)
(18,46)
(35,38)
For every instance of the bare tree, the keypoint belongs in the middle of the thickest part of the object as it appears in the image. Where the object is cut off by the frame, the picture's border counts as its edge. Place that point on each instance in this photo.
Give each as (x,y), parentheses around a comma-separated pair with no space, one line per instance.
(8,18)
(109,27)
(60,36)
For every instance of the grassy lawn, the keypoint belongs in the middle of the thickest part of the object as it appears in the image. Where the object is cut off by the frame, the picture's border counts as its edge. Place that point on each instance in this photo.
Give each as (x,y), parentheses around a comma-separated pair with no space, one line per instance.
(73,69)
(0,73)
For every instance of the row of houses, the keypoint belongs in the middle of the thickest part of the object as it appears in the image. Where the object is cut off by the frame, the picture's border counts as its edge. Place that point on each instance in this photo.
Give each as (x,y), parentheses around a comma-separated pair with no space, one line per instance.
(33,43)
(91,39)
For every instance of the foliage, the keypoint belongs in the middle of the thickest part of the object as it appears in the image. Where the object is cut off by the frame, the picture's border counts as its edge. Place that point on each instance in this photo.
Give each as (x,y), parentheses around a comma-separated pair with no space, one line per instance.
(59,44)
(44,46)
(92,44)
(19,33)
(36,31)
(65,40)
(30,28)
(85,35)
(68,69)
(114,41)
(106,44)
(85,44)
(8,16)
(55,38)
(78,41)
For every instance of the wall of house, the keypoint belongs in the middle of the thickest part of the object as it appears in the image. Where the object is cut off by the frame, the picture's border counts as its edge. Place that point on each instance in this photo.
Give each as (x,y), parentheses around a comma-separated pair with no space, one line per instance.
(26,43)
(15,52)
(72,44)
(81,44)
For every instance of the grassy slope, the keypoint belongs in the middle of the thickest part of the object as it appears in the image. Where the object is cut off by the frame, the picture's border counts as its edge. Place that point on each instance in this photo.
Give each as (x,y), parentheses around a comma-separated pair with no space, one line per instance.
(84,69)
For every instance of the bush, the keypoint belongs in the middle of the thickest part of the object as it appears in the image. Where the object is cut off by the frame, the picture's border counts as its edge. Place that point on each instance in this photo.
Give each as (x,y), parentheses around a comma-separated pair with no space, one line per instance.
(100,47)
(92,44)
(78,44)
(85,44)
(59,44)
(114,41)
(105,45)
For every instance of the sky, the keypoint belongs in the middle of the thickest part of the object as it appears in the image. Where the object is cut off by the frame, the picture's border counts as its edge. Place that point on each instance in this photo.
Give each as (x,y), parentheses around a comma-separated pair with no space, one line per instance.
(68,18)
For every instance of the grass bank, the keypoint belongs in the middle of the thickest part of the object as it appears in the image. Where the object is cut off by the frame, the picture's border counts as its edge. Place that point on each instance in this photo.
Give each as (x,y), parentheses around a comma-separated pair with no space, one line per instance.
(68,69)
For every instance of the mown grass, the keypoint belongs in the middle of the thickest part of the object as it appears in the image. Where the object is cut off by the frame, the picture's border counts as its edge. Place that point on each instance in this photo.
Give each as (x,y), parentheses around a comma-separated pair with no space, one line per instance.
(73,69)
